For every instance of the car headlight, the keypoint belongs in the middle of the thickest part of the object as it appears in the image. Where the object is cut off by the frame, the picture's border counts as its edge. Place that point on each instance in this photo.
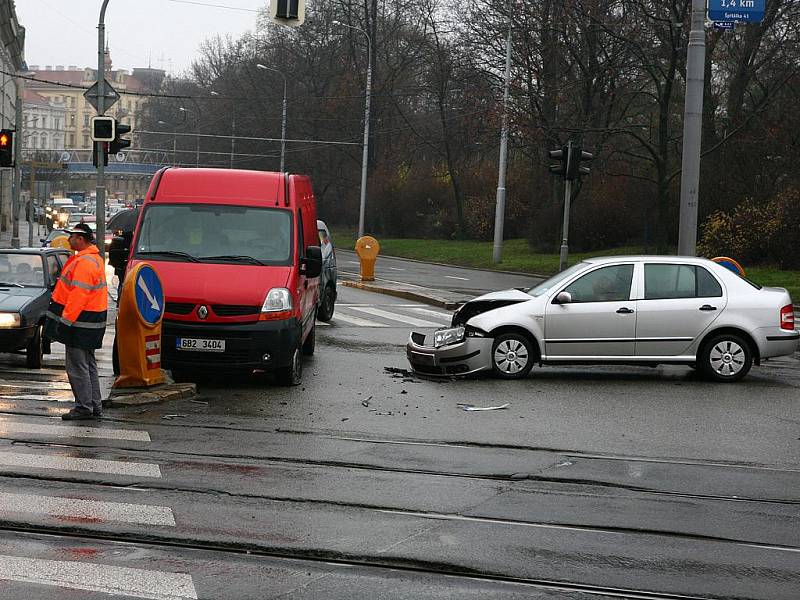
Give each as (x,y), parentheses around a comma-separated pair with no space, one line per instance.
(10,320)
(277,305)
(445,337)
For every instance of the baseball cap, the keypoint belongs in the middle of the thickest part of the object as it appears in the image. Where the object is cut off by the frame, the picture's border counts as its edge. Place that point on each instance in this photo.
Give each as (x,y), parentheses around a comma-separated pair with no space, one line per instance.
(82,229)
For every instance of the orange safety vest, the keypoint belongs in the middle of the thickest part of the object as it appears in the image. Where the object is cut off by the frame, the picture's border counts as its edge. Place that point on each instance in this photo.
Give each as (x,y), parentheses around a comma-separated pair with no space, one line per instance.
(79,305)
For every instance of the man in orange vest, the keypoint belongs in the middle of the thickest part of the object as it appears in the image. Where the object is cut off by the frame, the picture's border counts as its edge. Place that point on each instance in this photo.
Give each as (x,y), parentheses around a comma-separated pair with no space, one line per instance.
(77,319)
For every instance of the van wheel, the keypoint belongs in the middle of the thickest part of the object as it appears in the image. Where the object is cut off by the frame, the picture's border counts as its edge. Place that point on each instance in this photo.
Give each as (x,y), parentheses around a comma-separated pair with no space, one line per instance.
(293,373)
(311,341)
(326,304)
(726,358)
(35,350)
(512,356)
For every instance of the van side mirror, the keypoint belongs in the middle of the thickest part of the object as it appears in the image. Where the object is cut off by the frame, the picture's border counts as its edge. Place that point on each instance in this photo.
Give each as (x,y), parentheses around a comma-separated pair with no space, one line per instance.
(118,252)
(563,298)
(312,263)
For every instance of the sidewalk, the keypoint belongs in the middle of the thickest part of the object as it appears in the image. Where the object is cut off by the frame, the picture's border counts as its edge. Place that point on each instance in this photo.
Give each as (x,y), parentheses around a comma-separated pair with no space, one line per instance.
(38,232)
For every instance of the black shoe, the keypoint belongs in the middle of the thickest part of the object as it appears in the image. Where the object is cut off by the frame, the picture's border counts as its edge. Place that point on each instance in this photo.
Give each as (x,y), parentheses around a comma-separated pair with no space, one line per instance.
(77,415)
(97,414)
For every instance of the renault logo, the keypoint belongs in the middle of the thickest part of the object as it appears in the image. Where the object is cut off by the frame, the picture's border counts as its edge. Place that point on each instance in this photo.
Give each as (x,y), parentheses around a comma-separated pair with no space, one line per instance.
(202,312)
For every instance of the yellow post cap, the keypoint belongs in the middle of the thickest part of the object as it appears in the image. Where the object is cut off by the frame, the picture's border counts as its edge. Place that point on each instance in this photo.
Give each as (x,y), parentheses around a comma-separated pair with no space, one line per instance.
(367,247)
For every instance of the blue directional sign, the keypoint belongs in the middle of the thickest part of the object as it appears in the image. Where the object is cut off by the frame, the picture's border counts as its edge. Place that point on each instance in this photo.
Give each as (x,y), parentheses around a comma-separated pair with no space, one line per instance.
(149,295)
(751,11)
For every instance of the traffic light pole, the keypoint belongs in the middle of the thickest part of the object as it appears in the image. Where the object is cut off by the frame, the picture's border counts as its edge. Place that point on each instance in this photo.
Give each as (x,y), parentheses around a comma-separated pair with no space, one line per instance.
(500,208)
(564,251)
(17,166)
(98,146)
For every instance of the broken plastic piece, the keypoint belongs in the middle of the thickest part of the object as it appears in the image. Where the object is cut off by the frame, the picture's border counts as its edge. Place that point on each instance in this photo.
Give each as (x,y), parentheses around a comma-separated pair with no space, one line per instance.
(472,407)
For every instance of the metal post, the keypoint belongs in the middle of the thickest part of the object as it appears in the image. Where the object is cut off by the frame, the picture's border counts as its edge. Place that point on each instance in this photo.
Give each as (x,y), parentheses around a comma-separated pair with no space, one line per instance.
(283,127)
(17,166)
(233,134)
(100,205)
(31,204)
(562,257)
(692,129)
(365,156)
(500,209)
(174,142)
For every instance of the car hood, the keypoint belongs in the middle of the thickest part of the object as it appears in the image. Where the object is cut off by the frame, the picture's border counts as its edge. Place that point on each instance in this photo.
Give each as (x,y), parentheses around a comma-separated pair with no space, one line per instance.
(218,283)
(13,299)
(488,302)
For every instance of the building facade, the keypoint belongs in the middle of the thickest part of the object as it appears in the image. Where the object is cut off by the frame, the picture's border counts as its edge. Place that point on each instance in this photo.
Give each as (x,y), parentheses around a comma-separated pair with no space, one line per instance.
(12,60)
(43,123)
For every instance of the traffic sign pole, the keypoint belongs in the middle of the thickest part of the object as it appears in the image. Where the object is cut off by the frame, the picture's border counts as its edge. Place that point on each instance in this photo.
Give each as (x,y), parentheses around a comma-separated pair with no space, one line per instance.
(100,190)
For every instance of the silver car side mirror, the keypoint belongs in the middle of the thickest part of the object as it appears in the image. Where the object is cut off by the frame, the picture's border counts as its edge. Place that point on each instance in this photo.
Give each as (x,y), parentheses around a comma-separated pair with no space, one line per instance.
(563,298)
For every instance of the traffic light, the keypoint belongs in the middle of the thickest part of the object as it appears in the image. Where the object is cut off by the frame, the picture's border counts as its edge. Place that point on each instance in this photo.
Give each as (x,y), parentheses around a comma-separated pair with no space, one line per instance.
(6,148)
(104,149)
(119,143)
(574,167)
(103,129)
(561,157)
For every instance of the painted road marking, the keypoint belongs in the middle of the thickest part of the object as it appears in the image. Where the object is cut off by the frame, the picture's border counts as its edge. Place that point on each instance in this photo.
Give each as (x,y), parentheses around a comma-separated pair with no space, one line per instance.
(66,463)
(92,510)
(454,277)
(396,317)
(396,269)
(356,321)
(445,317)
(107,579)
(131,435)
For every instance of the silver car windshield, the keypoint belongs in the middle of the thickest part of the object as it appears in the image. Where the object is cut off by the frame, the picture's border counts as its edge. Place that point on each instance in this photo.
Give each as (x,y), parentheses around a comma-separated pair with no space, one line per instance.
(555,280)
(216,233)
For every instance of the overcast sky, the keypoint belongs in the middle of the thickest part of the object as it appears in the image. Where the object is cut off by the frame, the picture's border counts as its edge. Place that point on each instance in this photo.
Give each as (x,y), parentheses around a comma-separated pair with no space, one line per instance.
(161,33)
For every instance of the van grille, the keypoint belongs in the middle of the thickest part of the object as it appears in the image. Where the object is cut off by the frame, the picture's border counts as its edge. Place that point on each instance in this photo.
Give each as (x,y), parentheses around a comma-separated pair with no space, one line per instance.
(179,308)
(234,310)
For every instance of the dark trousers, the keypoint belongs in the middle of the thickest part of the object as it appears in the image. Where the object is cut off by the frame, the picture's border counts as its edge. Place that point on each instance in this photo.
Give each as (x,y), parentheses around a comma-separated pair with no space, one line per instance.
(82,373)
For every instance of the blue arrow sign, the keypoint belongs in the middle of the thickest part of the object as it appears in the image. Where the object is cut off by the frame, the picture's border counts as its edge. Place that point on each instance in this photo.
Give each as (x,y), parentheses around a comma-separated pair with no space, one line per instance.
(751,11)
(149,295)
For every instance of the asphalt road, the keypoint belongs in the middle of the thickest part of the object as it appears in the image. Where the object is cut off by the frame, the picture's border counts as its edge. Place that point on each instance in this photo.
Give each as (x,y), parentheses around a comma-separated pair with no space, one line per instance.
(363,482)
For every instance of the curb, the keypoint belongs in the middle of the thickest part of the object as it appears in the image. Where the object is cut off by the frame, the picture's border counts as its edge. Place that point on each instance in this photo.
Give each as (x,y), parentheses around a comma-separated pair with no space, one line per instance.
(150,395)
(405,294)
(464,267)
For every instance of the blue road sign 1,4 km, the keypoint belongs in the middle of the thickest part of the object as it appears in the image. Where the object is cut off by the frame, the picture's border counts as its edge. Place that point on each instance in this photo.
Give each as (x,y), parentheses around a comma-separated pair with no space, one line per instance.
(751,11)
(149,295)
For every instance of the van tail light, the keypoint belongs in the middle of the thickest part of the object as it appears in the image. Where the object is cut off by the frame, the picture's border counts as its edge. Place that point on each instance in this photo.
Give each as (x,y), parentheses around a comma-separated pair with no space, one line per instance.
(787,317)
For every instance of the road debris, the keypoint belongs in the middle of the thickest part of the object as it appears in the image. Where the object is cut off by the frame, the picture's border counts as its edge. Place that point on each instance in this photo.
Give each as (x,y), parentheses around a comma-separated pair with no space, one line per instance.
(472,407)
(365,403)
(198,401)
(170,417)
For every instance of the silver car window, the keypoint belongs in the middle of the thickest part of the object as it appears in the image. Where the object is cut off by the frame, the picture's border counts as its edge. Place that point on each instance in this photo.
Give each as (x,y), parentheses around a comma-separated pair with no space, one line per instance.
(666,281)
(555,280)
(607,284)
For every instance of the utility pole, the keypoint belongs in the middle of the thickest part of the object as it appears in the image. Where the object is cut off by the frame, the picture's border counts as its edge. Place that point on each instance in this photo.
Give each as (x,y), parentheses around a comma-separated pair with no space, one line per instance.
(17,165)
(564,250)
(692,129)
(98,146)
(500,209)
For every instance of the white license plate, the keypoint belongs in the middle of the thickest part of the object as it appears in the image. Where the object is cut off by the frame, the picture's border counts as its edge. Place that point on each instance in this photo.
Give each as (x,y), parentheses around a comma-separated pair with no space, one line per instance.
(199,345)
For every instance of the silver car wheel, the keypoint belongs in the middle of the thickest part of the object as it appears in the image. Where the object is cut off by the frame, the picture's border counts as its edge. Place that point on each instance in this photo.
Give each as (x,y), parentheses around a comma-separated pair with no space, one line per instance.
(511,356)
(727,358)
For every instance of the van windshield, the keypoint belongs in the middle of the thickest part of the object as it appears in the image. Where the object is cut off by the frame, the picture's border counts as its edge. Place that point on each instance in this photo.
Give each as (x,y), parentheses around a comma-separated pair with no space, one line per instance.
(215,233)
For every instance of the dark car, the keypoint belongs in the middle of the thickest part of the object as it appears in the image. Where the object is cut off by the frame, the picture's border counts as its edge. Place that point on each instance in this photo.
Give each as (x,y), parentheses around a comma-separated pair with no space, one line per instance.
(27,278)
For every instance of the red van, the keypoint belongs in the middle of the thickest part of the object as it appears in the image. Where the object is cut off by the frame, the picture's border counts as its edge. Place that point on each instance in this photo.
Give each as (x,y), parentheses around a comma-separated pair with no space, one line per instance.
(238,258)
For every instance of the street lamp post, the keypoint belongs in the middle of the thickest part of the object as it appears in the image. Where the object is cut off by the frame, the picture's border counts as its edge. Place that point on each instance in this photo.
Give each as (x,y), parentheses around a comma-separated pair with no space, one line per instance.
(196,135)
(365,155)
(283,118)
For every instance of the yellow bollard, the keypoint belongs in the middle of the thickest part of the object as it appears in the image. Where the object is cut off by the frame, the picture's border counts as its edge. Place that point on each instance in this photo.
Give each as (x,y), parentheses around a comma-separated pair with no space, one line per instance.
(139,329)
(367,248)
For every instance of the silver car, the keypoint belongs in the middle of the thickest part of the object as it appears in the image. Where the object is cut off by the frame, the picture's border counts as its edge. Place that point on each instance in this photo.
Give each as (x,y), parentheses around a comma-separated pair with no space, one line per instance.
(643,310)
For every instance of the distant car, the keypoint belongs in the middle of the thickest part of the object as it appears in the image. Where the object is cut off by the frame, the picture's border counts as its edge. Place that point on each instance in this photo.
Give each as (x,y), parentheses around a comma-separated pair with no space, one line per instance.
(327,279)
(77,217)
(644,310)
(27,278)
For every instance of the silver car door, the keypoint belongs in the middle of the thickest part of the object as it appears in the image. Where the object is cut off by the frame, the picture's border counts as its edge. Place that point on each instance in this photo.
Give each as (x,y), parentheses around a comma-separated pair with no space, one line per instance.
(679,303)
(600,320)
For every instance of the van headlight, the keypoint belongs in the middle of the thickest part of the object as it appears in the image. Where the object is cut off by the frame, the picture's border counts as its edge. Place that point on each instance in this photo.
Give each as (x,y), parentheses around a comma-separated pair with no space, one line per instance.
(446,337)
(9,320)
(277,305)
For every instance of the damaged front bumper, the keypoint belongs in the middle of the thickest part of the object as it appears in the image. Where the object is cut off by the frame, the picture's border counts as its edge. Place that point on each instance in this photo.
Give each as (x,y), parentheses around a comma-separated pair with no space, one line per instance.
(471,355)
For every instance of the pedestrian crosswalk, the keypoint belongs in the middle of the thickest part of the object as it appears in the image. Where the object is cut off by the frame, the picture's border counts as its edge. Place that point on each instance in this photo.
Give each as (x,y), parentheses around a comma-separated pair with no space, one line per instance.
(388,315)
(23,498)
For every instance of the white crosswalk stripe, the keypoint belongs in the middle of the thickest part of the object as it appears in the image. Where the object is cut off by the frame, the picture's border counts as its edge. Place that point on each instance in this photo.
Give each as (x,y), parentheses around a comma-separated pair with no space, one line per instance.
(79,509)
(356,320)
(69,463)
(7,426)
(91,577)
(393,316)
